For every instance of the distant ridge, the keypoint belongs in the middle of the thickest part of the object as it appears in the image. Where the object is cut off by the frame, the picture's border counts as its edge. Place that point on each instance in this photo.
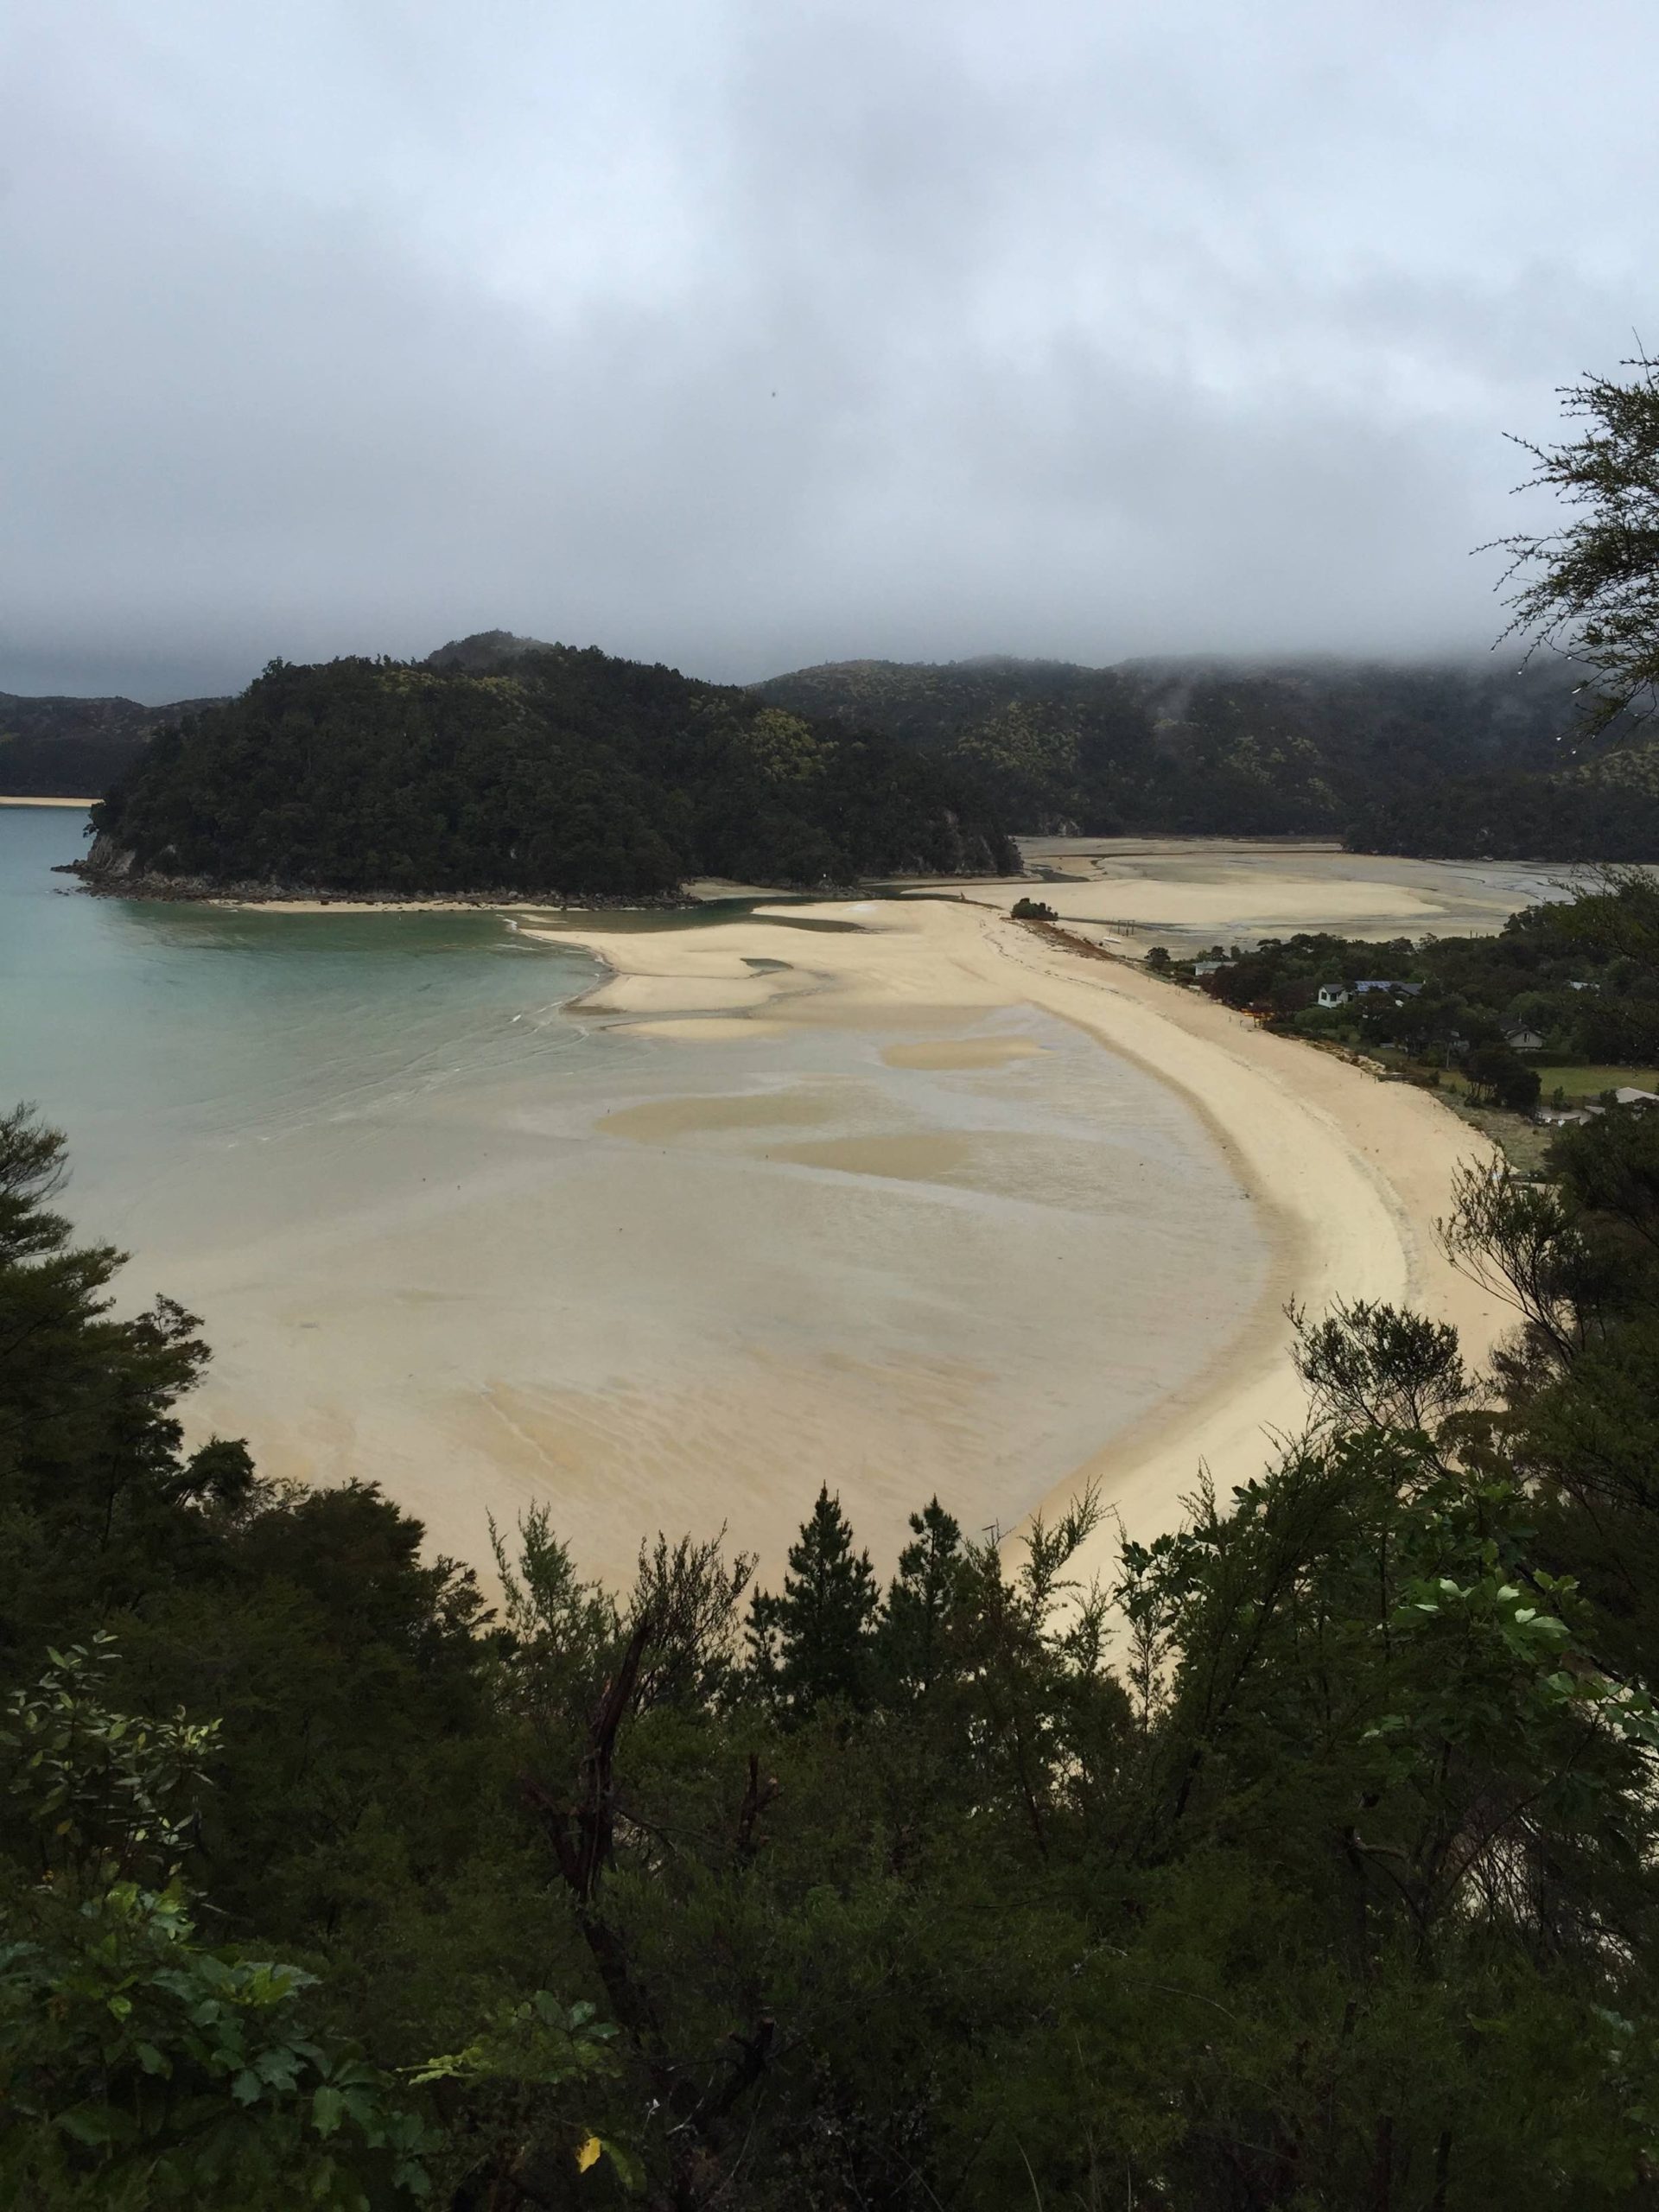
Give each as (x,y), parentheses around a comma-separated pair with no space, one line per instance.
(1457,758)
(55,745)
(1452,757)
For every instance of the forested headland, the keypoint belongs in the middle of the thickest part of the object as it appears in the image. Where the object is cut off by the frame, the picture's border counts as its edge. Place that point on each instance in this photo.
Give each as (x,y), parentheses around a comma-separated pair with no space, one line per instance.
(547,772)
(1313,1860)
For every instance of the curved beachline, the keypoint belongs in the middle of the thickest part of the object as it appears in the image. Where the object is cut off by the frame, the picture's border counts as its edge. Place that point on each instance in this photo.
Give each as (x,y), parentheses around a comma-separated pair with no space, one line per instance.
(1348,1173)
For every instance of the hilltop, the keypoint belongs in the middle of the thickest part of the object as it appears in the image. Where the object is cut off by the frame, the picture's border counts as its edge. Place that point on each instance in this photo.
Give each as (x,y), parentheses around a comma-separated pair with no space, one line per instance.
(530,769)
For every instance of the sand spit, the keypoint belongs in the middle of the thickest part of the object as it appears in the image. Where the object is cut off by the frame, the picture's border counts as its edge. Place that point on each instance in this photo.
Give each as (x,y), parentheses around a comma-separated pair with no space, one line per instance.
(1348,1173)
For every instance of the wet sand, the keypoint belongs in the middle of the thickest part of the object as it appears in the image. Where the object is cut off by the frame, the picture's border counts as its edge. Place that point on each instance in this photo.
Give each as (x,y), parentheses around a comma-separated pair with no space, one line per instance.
(1346,1174)
(961,1053)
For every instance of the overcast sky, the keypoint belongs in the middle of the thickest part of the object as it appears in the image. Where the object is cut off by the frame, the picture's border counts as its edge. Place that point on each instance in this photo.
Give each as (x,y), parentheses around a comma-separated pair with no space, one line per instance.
(743,334)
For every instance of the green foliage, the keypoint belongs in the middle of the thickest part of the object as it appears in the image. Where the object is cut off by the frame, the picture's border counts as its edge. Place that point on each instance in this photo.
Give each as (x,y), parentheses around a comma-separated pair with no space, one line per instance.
(1370,1366)
(1501,1076)
(96,1783)
(815,1643)
(1311,1864)
(1595,812)
(138,2067)
(1592,586)
(529,2077)
(1200,748)
(560,772)
(1559,968)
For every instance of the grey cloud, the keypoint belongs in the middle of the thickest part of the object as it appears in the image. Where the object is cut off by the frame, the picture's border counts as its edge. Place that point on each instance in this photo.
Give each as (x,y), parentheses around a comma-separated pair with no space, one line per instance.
(740,336)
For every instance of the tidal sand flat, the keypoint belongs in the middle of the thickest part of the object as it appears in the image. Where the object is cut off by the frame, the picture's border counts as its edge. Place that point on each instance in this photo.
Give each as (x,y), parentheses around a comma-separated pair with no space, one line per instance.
(1344,1177)
(1188,891)
(756,1205)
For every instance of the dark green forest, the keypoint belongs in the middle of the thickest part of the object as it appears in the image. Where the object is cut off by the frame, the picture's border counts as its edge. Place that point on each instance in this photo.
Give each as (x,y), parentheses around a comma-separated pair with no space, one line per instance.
(1446,761)
(64,748)
(1454,760)
(564,772)
(1607,810)
(1311,1862)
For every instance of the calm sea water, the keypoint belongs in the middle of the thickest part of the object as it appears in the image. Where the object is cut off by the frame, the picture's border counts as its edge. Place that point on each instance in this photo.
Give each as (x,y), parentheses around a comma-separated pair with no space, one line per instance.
(157,1035)
(384,1157)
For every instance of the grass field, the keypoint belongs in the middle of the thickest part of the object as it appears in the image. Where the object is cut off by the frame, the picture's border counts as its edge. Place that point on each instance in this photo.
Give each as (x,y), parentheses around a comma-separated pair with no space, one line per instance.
(1590,1082)
(1573,1082)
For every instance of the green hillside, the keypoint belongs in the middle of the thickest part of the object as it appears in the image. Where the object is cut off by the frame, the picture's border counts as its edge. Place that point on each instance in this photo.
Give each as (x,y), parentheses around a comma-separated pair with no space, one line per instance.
(59,746)
(564,772)
(1209,748)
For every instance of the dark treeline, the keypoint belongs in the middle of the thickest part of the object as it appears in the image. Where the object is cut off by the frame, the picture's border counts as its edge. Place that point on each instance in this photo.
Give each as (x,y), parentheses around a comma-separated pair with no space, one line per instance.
(1606,811)
(1376,752)
(1318,1870)
(562,771)
(1402,759)
(1450,761)
(64,748)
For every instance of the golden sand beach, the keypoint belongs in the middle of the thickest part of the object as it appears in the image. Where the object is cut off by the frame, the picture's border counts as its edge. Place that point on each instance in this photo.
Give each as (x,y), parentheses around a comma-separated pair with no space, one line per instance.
(1348,1173)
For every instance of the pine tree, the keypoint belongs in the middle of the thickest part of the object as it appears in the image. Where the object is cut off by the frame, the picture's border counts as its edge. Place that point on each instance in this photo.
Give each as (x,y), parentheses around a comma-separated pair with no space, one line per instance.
(814,1643)
(920,1601)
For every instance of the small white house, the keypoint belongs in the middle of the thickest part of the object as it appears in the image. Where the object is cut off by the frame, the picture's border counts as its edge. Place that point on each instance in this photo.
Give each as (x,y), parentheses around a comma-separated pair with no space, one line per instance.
(1523,1040)
(1629,1096)
(1210,967)
(1333,994)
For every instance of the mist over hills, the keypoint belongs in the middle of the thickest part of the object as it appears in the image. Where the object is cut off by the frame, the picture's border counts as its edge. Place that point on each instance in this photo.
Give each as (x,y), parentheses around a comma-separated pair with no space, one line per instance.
(1454,759)
(1206,746)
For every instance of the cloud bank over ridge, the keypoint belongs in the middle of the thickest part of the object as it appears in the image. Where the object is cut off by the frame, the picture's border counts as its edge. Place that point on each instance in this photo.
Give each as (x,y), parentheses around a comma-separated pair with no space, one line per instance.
(742,336)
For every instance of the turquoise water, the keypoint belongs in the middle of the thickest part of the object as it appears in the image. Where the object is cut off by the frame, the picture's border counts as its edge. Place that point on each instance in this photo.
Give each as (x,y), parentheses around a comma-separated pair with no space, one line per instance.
(154,1035)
